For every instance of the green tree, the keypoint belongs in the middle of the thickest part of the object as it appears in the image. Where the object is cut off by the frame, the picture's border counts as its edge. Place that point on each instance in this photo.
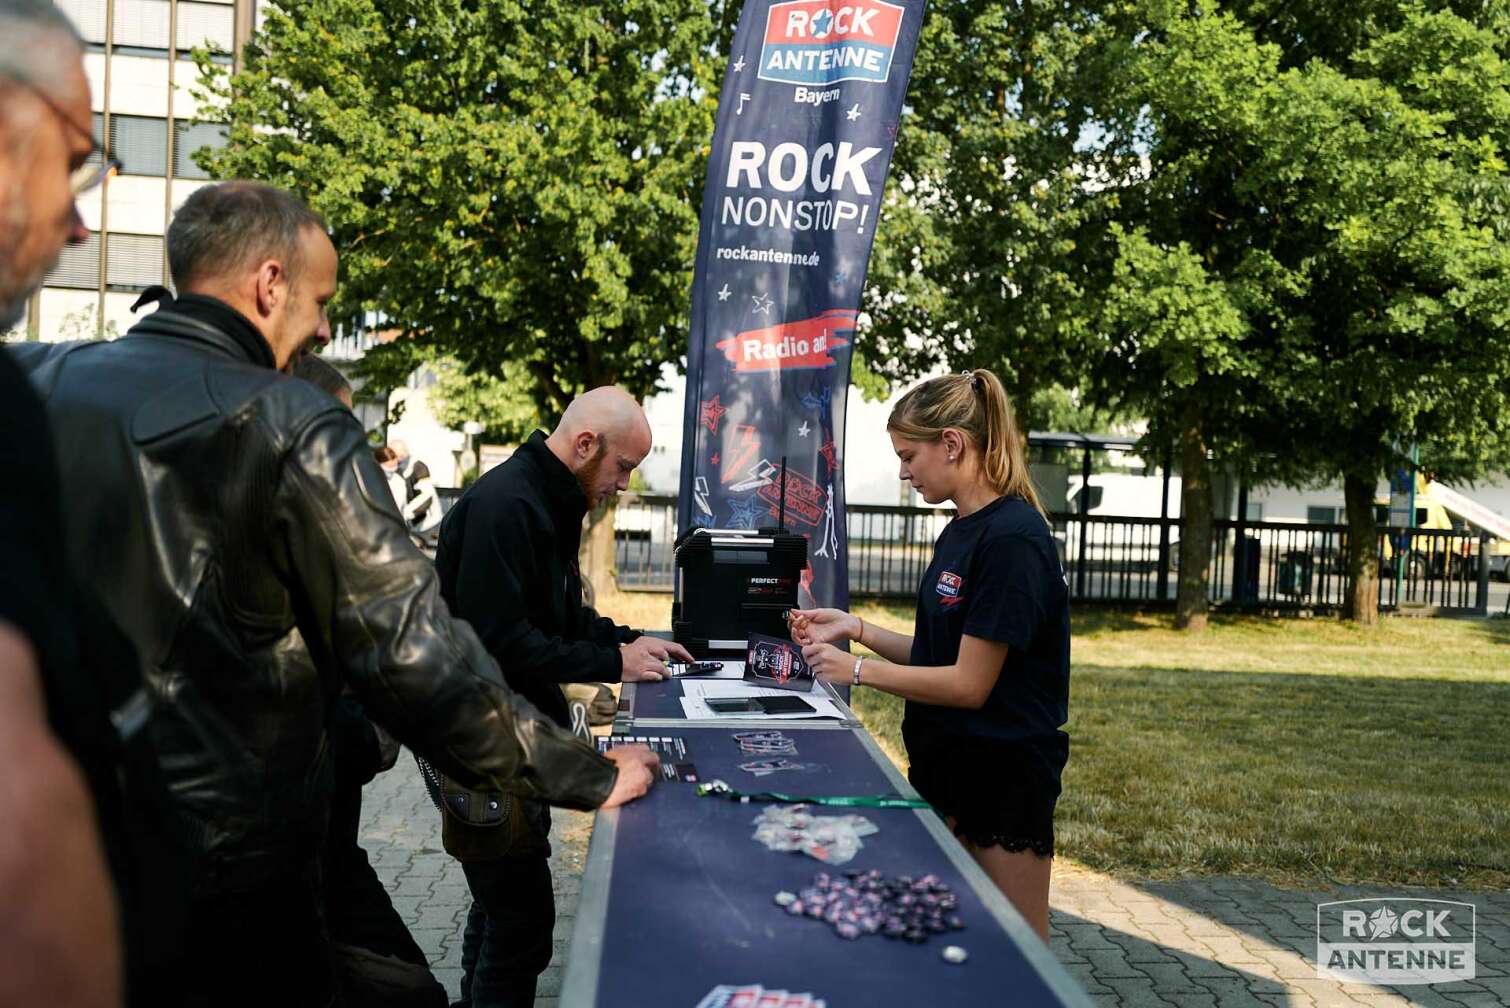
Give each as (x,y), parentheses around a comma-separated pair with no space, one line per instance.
(1276,231)
(502,404)
(512,186)
(1336,204)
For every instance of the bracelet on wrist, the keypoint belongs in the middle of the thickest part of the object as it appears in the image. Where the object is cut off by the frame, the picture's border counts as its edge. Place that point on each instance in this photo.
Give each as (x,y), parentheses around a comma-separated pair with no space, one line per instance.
(858,662)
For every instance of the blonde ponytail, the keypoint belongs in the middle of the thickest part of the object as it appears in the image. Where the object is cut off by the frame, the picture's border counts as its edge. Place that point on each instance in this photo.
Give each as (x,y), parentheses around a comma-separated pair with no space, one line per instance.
(976,403)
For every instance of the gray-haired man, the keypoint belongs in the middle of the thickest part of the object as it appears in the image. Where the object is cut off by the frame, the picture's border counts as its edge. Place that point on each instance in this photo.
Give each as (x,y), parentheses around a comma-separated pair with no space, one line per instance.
(60,943)
(230,514)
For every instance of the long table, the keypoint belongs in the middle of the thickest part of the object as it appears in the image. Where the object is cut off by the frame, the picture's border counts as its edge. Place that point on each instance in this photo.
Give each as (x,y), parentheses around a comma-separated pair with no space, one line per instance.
(678,898)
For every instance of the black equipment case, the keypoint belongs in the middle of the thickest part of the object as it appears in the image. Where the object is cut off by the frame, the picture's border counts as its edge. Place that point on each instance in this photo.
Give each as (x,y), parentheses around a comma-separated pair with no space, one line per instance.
(732,583)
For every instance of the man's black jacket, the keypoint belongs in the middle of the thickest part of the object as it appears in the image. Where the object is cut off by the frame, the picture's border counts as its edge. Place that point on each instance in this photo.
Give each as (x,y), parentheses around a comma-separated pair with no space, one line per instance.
(229,517)
(508,565)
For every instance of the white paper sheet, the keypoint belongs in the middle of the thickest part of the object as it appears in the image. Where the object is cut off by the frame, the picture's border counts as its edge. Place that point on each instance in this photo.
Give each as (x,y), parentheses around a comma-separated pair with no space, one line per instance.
(697,709)
(741,688)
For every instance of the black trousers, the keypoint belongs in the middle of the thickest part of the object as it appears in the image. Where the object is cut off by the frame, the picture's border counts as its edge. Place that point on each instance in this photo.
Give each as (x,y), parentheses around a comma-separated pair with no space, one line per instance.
(267,946)
(507,943)
(357,906)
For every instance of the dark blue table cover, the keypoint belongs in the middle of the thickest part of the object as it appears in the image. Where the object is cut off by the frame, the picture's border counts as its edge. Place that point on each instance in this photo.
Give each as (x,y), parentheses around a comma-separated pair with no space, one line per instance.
(690,897)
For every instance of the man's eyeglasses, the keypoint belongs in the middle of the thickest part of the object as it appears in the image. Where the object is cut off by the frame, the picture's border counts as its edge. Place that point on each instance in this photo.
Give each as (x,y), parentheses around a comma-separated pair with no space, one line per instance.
(100,165)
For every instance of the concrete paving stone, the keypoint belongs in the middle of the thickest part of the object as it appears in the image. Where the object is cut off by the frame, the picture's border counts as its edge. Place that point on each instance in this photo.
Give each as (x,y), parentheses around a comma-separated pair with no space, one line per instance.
(1085,975)
(1482,999)
(426,866)
(1287,965)
(1135,993)
(1200,966)
(1190,1000)
(1230,992)
(1109,963)
(1498,986)
(1428,997)
(1284,926)
(449,919)
(1140,952)
(1325,992)
(1232,950)
(1170,978)
(549,984)
(411,885)
(1087,936)
(1112,1000)
(407,906)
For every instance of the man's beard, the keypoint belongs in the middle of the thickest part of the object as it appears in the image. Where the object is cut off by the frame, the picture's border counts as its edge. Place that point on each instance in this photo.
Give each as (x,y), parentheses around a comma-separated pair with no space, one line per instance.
(587,476)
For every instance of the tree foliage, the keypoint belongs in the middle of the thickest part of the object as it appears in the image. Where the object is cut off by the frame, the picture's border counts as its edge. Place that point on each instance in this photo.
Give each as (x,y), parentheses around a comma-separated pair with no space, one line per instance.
(502,404)
(505,182)
(1275,230)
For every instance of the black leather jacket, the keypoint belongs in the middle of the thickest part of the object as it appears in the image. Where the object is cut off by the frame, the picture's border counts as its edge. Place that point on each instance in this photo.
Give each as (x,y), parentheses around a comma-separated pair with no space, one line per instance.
(230,517)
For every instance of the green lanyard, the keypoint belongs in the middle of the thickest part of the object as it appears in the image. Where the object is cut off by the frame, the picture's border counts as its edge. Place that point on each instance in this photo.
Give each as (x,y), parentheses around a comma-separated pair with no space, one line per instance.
(719,789)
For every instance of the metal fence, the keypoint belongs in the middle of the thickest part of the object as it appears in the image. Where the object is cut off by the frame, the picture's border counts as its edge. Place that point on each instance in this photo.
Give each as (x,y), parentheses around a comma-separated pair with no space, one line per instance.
(1124,561)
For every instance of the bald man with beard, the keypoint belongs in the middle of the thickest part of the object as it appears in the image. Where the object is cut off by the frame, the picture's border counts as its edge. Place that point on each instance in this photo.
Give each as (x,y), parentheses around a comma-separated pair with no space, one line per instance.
(508,565)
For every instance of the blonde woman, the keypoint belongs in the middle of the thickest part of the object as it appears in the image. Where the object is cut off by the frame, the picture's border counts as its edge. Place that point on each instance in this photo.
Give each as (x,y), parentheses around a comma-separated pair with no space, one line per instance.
(986,672)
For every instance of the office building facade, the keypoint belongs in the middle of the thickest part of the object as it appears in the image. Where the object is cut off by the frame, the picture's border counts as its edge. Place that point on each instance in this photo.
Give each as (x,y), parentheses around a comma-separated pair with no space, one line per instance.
(141,79)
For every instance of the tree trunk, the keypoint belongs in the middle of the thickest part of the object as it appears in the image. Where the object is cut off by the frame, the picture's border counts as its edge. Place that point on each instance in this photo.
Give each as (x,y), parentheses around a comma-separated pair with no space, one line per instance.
(597,556)
(1195,526)
(1362,605)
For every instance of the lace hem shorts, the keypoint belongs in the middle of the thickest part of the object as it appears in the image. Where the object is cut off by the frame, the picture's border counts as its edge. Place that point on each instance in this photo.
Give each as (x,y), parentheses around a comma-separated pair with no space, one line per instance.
(998,793)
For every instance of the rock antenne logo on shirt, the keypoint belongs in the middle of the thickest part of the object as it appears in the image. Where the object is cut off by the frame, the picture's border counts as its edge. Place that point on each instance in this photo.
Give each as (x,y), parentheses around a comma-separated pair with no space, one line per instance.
(949,587)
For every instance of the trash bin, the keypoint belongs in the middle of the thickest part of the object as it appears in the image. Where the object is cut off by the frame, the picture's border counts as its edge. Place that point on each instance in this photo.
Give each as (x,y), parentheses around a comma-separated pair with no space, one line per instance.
(1295,574)
(1245,586)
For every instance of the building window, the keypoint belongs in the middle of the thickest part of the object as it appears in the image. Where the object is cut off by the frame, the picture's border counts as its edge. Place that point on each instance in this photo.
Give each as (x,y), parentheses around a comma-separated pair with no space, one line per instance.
(78,267)
(142,24)
(206,24)
(1317,515)
(141,144)
(88,16)
(190,137)
(134,262)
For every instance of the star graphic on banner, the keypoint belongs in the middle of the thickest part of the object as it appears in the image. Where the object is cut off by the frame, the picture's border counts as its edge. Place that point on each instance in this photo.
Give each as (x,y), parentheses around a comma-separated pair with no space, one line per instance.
(714,459)
(739,64)
(763,303)
(723,295)
(804,430)
(841,277)
(745,513)
(853,113)
(891,130)
(713,413)
(821,23)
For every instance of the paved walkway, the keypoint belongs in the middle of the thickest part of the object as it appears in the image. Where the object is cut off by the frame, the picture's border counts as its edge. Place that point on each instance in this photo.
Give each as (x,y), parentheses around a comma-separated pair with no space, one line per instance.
(1207,943)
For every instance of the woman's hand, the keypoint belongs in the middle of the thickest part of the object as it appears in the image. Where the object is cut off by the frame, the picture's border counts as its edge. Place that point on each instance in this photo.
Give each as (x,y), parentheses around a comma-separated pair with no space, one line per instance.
(823,626)
(829,663)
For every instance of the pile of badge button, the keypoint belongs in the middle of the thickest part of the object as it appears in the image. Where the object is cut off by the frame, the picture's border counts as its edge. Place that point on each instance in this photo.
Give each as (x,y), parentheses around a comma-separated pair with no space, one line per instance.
(868,902)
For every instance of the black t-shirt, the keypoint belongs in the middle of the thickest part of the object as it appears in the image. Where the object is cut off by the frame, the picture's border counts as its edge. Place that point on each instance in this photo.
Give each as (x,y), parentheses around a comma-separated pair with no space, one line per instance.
(996,575)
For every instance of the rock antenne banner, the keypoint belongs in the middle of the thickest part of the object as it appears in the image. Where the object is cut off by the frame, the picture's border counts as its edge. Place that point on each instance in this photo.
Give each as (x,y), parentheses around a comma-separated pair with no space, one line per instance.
(806,124)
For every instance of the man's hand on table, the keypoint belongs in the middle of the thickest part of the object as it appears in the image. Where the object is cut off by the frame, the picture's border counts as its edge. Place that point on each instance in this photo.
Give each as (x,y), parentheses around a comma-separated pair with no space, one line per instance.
(645,659)
(637,769)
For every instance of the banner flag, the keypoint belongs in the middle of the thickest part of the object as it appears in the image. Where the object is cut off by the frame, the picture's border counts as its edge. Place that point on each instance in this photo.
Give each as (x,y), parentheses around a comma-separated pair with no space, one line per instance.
(806,125)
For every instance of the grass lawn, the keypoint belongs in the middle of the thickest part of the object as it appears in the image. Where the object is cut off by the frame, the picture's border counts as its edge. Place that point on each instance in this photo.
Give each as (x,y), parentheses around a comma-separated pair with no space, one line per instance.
(1297,751)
